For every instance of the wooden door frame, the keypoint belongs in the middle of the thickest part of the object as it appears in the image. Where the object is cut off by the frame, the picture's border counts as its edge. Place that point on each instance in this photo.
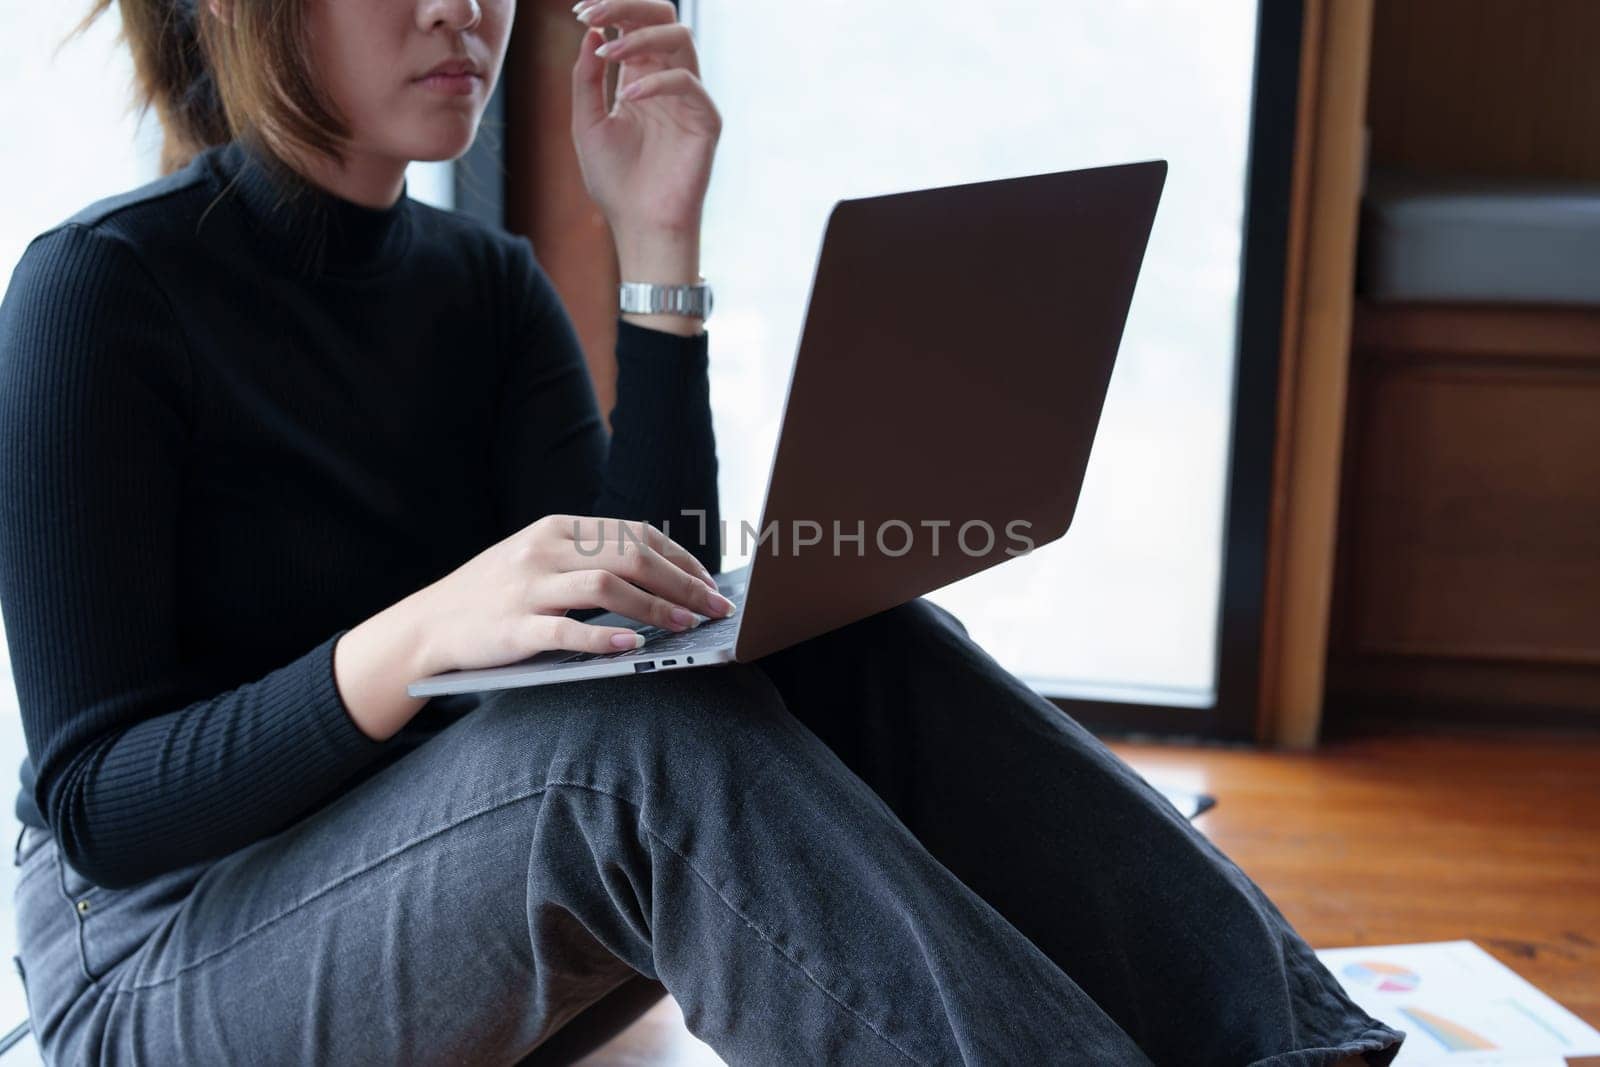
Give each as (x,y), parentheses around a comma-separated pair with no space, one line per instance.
(1318,301)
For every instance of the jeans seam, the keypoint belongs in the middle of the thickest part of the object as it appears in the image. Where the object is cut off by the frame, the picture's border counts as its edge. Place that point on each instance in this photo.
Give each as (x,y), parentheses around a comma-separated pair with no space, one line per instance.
(60,865)
(747,920)
(325,890)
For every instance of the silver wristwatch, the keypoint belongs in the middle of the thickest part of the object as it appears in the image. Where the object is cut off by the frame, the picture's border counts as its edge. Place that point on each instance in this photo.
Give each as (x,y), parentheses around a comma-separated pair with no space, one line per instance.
(648,298)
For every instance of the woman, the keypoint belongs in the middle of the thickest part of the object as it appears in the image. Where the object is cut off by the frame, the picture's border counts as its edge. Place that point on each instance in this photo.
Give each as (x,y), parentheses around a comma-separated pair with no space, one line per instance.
(279,439)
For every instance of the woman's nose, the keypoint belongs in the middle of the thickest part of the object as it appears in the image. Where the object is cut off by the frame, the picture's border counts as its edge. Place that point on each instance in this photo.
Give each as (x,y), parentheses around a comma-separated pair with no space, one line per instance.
(450,14)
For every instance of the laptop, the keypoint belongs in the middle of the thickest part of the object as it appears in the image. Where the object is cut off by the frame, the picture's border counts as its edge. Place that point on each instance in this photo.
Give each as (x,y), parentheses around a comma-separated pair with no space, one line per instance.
(953,363)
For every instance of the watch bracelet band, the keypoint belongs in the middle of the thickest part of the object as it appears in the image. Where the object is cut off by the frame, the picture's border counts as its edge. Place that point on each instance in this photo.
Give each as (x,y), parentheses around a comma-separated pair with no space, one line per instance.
(650,298)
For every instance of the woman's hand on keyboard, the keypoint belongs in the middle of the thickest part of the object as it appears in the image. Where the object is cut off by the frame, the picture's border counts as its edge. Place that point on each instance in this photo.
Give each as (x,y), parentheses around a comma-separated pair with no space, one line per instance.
(510,601)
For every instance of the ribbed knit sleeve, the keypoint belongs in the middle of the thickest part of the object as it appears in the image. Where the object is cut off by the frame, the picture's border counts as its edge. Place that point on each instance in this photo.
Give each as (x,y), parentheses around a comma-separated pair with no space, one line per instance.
(137,772)
(659,461)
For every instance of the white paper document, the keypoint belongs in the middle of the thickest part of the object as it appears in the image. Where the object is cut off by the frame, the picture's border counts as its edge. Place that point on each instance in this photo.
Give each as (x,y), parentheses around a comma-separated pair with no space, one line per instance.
(1459,1005)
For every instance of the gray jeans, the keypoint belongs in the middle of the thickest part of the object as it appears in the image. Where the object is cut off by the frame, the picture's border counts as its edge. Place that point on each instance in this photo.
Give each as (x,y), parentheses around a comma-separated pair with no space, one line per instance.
(875,847)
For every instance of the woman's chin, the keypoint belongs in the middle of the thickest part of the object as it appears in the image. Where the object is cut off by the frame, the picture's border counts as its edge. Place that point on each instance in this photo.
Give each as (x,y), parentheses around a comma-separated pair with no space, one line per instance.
(442,140)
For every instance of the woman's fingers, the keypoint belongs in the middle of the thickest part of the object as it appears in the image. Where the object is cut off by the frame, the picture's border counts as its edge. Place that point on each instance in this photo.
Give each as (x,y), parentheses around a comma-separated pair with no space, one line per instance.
(644,566)
(670,46)
(675,82)
(640,553)
(675,552)
(600,588)
(650,38)
(558,631)
(627,14)
(588,83)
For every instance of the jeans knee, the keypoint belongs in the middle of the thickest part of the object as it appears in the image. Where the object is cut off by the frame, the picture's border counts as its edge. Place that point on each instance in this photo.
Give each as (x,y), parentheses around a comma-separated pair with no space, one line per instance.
(916,620)
(924,613)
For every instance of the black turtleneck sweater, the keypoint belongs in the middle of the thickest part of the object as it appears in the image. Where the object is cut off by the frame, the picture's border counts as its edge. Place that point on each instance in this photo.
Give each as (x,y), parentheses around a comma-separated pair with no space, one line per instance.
(234,424)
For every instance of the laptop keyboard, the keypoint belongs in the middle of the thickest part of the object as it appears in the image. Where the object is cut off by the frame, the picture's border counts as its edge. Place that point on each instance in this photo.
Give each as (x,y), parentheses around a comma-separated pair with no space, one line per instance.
(711,633)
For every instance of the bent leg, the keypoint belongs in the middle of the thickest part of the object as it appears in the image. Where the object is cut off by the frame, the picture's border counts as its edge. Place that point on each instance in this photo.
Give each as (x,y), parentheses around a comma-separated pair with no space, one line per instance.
(794,918)
(1073,846)
(471,898)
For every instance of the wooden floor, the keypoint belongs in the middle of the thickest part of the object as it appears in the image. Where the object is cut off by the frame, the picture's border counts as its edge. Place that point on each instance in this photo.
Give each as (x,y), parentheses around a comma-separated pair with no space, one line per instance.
(1493,838)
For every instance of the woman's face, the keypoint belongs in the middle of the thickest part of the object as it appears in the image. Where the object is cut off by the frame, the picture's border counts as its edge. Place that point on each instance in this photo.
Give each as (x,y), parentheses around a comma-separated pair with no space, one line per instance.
(373,58)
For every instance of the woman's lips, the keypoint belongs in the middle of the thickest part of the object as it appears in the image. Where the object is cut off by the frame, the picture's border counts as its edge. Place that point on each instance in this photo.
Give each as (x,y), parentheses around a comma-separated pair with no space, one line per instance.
(450,84)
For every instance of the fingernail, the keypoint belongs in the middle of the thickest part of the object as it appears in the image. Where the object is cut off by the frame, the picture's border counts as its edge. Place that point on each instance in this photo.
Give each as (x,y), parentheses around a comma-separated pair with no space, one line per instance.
(588,12)
(627,640)
(682,617)
(607,48)
(722,603)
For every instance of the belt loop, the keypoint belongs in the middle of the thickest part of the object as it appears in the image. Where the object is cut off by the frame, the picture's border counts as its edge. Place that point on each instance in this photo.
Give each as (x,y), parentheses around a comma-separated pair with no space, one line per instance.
(16,853)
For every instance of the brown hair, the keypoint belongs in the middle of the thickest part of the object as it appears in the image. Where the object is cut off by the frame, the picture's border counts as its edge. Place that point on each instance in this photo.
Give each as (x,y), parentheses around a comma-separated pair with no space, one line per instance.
(211,78)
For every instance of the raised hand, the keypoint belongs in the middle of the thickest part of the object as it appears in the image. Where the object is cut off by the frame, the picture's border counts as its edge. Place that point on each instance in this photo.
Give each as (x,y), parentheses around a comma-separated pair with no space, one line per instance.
(646,158)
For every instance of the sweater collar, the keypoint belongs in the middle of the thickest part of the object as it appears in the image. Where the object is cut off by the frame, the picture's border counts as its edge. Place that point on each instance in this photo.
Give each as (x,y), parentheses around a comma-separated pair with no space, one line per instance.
(314,231)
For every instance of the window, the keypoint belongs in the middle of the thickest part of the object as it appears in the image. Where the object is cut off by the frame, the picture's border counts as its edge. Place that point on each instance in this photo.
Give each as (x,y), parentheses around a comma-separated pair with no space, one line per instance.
(860,100)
